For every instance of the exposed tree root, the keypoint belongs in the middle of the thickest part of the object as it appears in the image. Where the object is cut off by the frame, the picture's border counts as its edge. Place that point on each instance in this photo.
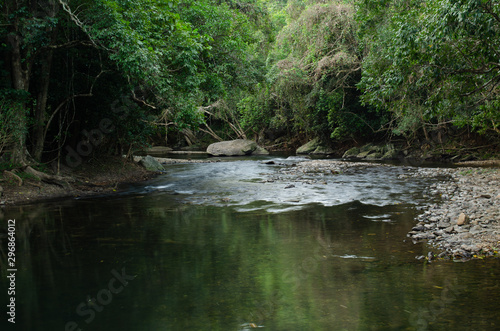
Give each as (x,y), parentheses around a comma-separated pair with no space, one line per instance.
(11,174)
(62,181)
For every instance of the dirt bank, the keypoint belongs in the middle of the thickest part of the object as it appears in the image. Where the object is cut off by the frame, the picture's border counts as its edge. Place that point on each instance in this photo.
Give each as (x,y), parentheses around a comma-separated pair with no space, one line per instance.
(94,177)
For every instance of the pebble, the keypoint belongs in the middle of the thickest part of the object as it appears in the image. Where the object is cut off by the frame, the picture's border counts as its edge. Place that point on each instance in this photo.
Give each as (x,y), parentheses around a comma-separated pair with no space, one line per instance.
(467,217)
(463,219)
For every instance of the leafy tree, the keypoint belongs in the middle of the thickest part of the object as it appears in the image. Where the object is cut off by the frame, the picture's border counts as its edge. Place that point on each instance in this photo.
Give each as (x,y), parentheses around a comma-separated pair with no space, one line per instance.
(93,39)
(313,69)
(229,68)
(433,62)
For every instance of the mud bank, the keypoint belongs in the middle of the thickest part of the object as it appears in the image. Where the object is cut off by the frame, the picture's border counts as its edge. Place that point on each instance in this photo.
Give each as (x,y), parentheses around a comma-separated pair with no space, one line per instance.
(97,177)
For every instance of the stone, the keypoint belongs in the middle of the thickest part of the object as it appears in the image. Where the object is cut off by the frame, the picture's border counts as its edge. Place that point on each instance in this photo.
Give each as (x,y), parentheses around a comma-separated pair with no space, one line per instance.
(238,147)
(322,150)
(308,148)
(390,155)
(351,153)
(476,229)
(363,155)
(462,219)
(374,156)
(260,151)
(449,229)
(443,224)
(151,164)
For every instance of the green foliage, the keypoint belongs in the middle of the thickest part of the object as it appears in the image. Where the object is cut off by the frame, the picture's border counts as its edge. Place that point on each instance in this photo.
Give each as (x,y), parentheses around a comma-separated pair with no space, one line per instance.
(332,69)
(255,110)
(433,62)
(313,68)
(11,107)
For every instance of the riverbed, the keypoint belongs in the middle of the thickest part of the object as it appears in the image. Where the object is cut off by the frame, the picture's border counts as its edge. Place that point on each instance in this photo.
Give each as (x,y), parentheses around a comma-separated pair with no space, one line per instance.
(246,244)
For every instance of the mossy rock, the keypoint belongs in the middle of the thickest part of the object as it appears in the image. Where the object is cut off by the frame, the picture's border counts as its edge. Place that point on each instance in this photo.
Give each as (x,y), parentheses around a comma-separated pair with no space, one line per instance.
(309,147)
(238,147)
(322,150)
(391,155)
(366,148)
(374,156)
(363,155)
(151,164)
(351,153)
(260,151)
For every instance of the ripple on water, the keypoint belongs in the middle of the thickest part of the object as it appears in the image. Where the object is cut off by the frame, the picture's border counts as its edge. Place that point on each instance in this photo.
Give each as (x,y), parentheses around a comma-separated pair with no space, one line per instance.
(283,186)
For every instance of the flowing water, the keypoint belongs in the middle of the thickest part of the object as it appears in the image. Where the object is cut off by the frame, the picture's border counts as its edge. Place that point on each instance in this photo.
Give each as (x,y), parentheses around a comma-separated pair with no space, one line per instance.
(227,246)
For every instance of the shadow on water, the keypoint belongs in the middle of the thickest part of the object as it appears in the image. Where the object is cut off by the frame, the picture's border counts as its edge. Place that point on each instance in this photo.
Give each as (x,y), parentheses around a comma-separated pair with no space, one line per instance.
(159,261)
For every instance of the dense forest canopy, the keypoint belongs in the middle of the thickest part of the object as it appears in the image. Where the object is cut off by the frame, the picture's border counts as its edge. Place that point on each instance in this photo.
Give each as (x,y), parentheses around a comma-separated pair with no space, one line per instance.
(122,74)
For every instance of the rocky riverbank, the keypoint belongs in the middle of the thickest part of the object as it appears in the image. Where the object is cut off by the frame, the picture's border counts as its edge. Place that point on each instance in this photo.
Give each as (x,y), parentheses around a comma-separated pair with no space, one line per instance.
(465,220)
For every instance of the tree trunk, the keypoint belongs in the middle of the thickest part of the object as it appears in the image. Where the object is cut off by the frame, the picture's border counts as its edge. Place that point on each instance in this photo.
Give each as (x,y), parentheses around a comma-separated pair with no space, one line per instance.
(22,58)
(20,81)
(51,9)
(41,107)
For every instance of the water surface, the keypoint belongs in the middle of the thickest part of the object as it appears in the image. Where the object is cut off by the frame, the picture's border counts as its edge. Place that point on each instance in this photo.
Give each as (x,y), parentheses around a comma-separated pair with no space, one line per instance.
(216,246)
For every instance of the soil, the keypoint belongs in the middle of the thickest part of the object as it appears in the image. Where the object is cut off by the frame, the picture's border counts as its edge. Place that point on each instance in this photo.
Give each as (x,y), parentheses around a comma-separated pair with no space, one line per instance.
(93,177)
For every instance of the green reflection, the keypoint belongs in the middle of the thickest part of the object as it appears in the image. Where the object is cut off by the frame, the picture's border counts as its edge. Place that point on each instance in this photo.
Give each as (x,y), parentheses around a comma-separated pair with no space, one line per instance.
(213,268)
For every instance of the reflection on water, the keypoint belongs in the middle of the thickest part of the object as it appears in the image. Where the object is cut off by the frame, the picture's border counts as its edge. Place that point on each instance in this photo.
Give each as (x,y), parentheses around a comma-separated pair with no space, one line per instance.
(161,262)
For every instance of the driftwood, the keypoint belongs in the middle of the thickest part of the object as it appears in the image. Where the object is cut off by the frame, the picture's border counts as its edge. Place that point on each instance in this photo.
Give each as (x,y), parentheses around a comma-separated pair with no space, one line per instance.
(62,181)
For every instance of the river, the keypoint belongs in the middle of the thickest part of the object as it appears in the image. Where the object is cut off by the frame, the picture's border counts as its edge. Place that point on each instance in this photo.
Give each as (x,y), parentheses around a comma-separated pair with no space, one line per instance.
(242,245)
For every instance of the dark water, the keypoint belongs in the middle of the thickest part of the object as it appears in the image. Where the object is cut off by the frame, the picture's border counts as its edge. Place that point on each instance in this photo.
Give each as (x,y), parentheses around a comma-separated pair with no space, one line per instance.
(213,247)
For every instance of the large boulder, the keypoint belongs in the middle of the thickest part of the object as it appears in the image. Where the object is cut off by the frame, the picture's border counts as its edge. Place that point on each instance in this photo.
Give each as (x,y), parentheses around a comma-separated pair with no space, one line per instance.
(151,164)
(238,147)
